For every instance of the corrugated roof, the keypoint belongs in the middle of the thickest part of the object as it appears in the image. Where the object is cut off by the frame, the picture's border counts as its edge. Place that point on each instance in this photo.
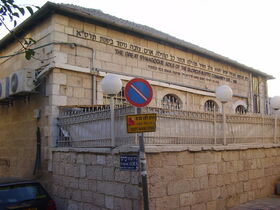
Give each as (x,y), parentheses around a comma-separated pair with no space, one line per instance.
(118,23)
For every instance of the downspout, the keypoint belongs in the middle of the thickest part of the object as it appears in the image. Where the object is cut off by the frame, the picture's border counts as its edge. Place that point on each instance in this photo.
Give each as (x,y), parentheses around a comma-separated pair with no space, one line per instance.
(37,164)
(94,95)
(93,80)
(251,95)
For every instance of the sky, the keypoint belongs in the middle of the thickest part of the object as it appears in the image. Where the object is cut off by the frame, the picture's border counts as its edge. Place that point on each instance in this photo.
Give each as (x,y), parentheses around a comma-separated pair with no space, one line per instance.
(247,31)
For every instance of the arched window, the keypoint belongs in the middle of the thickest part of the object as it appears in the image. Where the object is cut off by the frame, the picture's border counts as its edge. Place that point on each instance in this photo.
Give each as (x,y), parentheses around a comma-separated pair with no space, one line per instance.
(240,109)
(211,106)
(171,101)
(119,98)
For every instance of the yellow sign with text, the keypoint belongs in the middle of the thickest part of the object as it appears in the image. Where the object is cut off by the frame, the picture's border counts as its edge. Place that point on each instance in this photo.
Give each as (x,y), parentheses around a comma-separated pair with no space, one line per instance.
(141,123)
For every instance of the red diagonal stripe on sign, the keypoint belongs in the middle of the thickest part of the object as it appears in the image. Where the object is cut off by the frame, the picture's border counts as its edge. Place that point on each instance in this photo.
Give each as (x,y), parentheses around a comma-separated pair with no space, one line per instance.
(137,91)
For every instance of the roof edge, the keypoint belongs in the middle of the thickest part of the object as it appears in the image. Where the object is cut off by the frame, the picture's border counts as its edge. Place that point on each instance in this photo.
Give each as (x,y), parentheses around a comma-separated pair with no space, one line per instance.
(50,7)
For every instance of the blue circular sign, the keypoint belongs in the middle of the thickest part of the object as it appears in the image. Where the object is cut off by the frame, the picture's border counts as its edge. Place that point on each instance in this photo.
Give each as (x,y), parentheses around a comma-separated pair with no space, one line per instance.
(138,92)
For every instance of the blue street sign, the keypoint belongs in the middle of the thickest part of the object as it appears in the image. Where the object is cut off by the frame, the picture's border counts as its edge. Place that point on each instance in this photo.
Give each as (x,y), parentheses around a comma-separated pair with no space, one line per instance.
(129,162)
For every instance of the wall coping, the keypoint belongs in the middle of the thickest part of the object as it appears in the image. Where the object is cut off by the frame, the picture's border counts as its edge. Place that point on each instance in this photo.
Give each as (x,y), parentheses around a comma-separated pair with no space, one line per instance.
(166,148)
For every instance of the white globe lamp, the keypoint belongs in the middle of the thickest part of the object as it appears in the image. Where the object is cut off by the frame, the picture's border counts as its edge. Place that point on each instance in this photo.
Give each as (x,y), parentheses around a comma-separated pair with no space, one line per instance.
(224,93)
(111,84)
(275,102)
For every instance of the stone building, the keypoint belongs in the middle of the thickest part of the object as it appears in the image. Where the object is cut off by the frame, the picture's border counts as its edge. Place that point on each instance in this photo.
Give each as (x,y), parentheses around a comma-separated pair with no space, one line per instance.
(75,48)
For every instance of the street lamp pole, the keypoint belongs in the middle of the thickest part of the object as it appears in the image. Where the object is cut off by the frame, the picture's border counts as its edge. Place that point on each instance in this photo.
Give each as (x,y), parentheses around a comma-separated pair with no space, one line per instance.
(275,128)
(224,124)
(275,104)
(112,109)
(224,94)
(111,84)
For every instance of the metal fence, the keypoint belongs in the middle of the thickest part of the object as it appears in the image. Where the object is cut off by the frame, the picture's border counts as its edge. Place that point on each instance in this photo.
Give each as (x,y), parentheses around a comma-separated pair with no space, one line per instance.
(90,127)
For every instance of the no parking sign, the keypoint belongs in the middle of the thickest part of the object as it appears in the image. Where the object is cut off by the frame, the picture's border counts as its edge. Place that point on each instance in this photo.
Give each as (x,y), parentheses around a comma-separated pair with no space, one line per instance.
(138,92)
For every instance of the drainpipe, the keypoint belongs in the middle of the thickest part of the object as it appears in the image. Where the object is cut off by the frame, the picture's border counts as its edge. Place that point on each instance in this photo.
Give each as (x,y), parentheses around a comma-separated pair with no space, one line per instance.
(94,95)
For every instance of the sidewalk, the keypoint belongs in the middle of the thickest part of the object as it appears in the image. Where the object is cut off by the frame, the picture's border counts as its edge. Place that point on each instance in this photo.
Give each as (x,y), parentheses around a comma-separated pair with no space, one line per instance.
(270,203)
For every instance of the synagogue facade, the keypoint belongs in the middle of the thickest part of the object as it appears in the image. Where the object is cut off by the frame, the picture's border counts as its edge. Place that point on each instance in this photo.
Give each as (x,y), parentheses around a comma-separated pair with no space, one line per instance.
(75,48)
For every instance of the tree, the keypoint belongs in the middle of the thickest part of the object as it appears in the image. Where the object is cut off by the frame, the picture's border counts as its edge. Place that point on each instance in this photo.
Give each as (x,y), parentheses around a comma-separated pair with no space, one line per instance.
(10,11)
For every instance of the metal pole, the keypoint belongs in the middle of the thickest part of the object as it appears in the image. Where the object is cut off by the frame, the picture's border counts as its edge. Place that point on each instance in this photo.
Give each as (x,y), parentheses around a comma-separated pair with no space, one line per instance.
(275,127)
(224,124)
(112,109)
(215,125)
(143,168)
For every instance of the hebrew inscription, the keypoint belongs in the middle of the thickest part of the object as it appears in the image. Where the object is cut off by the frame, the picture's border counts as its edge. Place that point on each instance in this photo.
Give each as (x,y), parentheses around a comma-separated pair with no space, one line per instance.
(166,62)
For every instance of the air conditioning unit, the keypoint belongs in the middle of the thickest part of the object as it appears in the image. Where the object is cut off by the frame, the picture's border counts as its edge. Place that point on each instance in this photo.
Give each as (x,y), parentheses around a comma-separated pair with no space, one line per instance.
(4,88)
(21,82)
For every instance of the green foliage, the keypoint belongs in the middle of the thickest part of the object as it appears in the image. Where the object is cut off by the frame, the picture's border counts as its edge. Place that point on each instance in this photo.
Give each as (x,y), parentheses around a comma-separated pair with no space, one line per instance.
(29,53)
(10,11)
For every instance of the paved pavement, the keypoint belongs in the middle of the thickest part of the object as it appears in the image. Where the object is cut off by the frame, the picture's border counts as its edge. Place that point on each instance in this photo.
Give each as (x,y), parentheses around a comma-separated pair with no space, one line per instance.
(270,203)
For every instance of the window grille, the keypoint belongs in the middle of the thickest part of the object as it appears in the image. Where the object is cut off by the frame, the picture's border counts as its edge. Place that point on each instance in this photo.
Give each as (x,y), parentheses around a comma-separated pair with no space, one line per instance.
(240,109)
(119,99)
(171,101)
(211,106)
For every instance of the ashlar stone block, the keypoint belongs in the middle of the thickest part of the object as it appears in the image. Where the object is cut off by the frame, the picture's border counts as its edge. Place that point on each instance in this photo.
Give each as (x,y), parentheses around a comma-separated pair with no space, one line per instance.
(203,157)
(108,174)
(101,159)
(123,204)
(87,196)
(177,187)
(157,190)
(111,188)
(132,191)
(186,199)
(200,170)
(94,172)
(169,202)
(122,176)
(202,196)
(201,206)
(109,202)
(99,199)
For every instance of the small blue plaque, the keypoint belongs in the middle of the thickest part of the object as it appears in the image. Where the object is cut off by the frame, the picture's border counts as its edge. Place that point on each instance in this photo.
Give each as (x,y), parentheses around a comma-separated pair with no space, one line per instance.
(129,162)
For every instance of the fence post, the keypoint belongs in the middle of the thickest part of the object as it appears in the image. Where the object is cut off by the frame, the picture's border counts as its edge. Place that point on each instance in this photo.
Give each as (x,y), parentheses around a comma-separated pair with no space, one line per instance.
(262,129)
(112,109)
(275,128)
(224,124)
(215,127)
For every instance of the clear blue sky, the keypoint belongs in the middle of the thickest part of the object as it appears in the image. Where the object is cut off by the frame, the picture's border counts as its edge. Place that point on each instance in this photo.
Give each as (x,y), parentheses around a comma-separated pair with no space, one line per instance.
(244,30)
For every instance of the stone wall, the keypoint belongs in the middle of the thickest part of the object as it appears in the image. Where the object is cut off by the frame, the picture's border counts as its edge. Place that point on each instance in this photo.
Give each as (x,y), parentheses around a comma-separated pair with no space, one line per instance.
(210,180)
(93,180)
(179,177)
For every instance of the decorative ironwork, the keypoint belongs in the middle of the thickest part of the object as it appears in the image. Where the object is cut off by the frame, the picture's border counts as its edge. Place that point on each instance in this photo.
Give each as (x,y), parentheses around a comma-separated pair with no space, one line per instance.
(171,101)
(240,109)
(211,106)
(90,127)
(119,99)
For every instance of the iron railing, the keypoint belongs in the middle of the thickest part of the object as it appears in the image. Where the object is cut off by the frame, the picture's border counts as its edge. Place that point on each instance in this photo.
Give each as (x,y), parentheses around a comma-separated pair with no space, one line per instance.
(90,127)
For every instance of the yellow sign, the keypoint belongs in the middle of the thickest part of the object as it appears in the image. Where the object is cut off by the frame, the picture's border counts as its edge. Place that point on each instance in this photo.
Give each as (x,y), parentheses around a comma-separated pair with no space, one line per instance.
(141,123)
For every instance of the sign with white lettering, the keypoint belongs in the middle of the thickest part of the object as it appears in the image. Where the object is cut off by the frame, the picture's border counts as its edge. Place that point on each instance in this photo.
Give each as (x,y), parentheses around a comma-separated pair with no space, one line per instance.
(129,162)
